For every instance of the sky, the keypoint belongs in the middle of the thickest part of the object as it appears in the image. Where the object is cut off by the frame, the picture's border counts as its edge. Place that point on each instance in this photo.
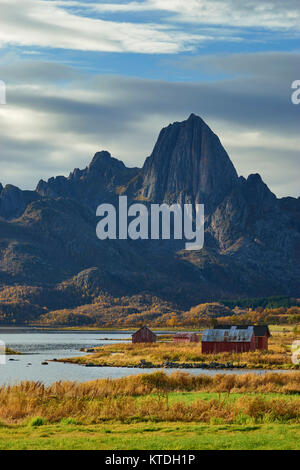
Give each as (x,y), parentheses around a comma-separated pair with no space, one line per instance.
(84,76)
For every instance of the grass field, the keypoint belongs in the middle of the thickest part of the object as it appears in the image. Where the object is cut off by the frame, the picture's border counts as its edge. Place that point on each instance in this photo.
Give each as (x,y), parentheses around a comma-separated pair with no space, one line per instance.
(155,412)
(190,397)
(153,436)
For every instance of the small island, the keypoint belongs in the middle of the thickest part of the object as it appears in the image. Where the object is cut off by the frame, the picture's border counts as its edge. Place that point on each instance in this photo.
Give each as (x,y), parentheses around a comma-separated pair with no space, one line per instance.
(166,353)
(11,352)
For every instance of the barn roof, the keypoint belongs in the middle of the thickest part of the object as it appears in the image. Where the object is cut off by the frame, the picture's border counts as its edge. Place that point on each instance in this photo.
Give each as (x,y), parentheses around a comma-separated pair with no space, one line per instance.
(232,335)
(143,328)
(184,335)
(259,330)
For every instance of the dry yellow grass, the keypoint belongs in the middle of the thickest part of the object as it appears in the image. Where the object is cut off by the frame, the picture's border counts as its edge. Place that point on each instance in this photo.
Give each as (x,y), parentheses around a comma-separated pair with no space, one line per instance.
(10,351)
(107,399)
(129,355)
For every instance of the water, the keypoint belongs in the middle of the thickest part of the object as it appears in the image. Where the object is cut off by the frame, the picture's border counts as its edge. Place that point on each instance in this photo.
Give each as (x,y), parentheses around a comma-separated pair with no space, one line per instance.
(42,345)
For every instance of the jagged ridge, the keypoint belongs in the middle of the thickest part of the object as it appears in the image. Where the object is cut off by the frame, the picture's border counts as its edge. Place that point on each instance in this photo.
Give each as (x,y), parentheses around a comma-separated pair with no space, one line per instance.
(252,238)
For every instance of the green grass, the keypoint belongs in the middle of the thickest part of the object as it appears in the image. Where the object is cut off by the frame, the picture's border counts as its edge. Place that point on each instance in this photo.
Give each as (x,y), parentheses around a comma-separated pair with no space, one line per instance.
(160,436)
(190,397)
(121,415)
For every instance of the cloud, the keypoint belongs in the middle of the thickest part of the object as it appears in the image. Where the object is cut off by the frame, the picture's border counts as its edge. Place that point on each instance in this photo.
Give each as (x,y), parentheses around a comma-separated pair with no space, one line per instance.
(251,13)
(59,115)
(273,14)
(43,23)
(184,26)
(52,127)
(272,65)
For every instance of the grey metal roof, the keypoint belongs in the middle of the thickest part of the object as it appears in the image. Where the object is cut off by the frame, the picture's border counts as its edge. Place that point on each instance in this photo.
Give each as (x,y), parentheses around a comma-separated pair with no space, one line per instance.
(259,330)
(232,335)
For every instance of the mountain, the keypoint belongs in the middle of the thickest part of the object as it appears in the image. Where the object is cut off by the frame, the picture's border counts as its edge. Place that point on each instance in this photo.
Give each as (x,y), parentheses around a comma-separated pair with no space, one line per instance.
(188,163)
(50,257)
(100,180)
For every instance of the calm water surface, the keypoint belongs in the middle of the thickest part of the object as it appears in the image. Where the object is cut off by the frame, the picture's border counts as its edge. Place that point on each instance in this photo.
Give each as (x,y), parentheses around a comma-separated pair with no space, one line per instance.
(39,346)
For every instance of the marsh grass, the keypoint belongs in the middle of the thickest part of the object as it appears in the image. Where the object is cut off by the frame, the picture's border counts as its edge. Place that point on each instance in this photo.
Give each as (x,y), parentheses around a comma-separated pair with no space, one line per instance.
(146,397)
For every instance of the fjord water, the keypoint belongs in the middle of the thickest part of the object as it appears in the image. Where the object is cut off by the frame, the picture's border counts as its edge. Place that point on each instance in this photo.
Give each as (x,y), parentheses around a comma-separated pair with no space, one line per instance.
(40,346)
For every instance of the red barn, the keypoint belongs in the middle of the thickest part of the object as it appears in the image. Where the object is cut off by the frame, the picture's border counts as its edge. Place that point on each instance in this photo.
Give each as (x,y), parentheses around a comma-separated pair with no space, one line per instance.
(228,340)
(144,335)
(185,338)
(261,333)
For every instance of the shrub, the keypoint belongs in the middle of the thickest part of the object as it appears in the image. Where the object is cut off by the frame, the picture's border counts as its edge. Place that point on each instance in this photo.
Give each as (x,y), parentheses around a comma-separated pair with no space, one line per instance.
(37,421)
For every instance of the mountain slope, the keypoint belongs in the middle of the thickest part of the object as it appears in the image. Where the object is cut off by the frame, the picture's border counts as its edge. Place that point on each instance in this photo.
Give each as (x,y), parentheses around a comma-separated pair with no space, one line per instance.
(252,240)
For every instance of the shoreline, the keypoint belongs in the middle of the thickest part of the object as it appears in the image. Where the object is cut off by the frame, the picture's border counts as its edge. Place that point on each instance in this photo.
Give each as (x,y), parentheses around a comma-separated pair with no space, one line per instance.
(187,367)
(187,356)
(11,352)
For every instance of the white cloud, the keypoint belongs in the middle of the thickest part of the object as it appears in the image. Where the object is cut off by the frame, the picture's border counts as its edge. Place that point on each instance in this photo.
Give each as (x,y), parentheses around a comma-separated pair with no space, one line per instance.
(273,14)
(45,24)
(50,24)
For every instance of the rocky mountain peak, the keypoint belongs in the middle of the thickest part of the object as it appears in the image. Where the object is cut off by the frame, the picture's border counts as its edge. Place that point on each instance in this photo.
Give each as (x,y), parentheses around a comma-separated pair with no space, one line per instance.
(13,201)
(103,161)
(188,162)
(258,193)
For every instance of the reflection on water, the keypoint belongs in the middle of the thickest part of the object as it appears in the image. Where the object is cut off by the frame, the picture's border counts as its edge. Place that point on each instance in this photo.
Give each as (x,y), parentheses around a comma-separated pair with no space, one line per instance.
(43,346)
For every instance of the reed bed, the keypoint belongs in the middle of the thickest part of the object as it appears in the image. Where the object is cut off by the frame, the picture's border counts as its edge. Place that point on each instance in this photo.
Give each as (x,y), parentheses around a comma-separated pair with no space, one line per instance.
(106,399)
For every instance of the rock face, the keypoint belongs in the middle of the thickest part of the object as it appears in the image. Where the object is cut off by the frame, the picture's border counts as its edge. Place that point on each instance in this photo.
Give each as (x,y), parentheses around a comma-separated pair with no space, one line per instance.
(245,212)
(188,163)
(100,181)
(13,201)
(252,242)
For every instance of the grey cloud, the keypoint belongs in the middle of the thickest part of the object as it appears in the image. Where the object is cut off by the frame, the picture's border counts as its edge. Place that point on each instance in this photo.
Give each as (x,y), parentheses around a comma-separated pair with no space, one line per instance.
(279,169)
(273,65)
(34,72)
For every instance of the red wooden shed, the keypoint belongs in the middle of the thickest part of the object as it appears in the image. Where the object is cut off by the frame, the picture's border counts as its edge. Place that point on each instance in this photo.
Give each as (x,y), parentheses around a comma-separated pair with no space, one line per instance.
(228,340)
(144,335)
(261,333)
(185,338)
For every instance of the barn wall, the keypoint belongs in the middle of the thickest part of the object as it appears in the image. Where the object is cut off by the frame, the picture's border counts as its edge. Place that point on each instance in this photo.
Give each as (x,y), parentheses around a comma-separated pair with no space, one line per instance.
(219,347)
(262,342)
(253,344)
(144,336)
